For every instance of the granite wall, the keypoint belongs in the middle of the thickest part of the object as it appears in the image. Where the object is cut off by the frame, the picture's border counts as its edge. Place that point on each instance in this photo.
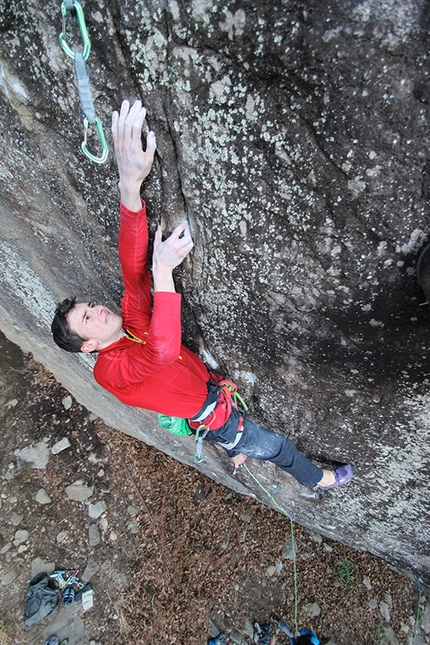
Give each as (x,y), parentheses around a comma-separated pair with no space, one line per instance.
(294,137)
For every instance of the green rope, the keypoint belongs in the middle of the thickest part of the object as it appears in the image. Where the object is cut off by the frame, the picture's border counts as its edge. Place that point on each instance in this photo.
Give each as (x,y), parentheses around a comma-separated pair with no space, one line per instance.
(417,618)
(293,544)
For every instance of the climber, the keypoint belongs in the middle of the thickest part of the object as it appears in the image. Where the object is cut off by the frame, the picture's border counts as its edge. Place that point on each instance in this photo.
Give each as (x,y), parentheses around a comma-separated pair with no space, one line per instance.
(140,356)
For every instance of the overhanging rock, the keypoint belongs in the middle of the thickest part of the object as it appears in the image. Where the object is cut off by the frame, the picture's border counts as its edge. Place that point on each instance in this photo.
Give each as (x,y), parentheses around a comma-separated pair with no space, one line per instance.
(295,139)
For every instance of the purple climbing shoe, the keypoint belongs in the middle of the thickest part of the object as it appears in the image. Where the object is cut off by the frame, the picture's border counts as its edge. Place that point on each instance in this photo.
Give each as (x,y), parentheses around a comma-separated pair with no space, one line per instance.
(343,475)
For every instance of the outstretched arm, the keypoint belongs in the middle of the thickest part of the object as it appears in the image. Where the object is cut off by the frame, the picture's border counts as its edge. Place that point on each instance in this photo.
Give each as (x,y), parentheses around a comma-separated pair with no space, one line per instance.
(134,165)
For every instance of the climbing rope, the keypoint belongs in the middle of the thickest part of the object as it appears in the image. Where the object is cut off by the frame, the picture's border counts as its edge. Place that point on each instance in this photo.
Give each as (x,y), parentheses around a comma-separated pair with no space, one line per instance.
(293,542)
(82,77)
(234,396)
(417,617)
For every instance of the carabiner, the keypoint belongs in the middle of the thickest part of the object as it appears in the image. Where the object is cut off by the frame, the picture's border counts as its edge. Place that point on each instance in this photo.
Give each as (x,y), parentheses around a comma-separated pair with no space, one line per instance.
(82,27)
(102,139)
(201,433)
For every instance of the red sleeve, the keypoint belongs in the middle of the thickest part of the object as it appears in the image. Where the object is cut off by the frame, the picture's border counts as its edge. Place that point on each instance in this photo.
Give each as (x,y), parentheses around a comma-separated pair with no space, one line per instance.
(133,255)
(160,329)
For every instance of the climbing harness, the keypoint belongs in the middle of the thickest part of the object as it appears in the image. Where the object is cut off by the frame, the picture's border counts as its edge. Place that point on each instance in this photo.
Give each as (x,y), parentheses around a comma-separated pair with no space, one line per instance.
(202,422)
(82,78)
(205,419)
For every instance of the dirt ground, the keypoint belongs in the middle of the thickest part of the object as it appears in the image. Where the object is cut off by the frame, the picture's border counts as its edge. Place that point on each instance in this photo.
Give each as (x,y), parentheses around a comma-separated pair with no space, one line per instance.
(172,556)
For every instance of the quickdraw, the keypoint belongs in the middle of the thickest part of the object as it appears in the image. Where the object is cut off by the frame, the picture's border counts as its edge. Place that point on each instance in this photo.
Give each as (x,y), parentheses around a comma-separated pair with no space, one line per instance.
(82,78)
(201,433)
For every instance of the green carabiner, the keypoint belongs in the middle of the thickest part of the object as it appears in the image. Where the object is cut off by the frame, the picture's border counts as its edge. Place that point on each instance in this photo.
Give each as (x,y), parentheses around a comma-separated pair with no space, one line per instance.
(102,139)
(82,27)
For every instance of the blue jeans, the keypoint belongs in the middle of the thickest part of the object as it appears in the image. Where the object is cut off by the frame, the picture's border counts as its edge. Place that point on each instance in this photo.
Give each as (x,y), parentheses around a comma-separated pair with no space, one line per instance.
(260,443)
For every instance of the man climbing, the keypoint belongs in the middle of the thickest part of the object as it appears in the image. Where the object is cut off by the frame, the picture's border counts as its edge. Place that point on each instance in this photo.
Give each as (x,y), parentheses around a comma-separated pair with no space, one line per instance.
(140,356)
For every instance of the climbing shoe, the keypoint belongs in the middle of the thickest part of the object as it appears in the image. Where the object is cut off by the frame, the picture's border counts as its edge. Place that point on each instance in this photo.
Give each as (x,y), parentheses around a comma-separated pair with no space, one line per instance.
(52,640)
(343,475)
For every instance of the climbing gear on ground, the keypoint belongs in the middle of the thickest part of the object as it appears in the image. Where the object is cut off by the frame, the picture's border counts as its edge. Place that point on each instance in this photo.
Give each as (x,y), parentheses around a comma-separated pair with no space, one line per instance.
(303,637)
(261,634)
(174,425)
(79,594)
(82,78)
(65,641)
(219,640)
(343,475)
(68,585)
(66,578)
(41,599)
(68,596)
(52,640)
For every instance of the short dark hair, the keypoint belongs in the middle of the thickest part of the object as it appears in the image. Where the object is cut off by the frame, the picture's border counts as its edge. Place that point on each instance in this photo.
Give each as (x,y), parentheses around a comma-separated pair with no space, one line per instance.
(63,335)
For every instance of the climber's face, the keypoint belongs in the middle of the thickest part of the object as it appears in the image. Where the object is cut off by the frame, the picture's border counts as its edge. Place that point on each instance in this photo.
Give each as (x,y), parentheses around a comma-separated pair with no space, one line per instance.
(96,323)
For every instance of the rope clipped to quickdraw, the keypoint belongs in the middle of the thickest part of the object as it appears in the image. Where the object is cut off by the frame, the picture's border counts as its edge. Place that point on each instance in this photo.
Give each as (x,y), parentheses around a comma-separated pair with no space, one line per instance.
(82,77)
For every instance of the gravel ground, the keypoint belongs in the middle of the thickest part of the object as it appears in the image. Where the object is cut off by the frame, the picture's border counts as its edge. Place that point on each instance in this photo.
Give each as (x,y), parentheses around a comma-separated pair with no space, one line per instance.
(172,556)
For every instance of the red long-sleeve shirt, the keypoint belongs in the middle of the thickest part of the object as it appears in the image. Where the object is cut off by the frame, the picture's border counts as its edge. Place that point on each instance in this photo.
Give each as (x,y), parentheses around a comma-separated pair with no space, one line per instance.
(160,373)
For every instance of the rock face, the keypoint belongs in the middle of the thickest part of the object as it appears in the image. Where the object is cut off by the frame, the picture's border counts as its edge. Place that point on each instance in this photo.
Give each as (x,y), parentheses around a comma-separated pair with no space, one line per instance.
(294,137)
